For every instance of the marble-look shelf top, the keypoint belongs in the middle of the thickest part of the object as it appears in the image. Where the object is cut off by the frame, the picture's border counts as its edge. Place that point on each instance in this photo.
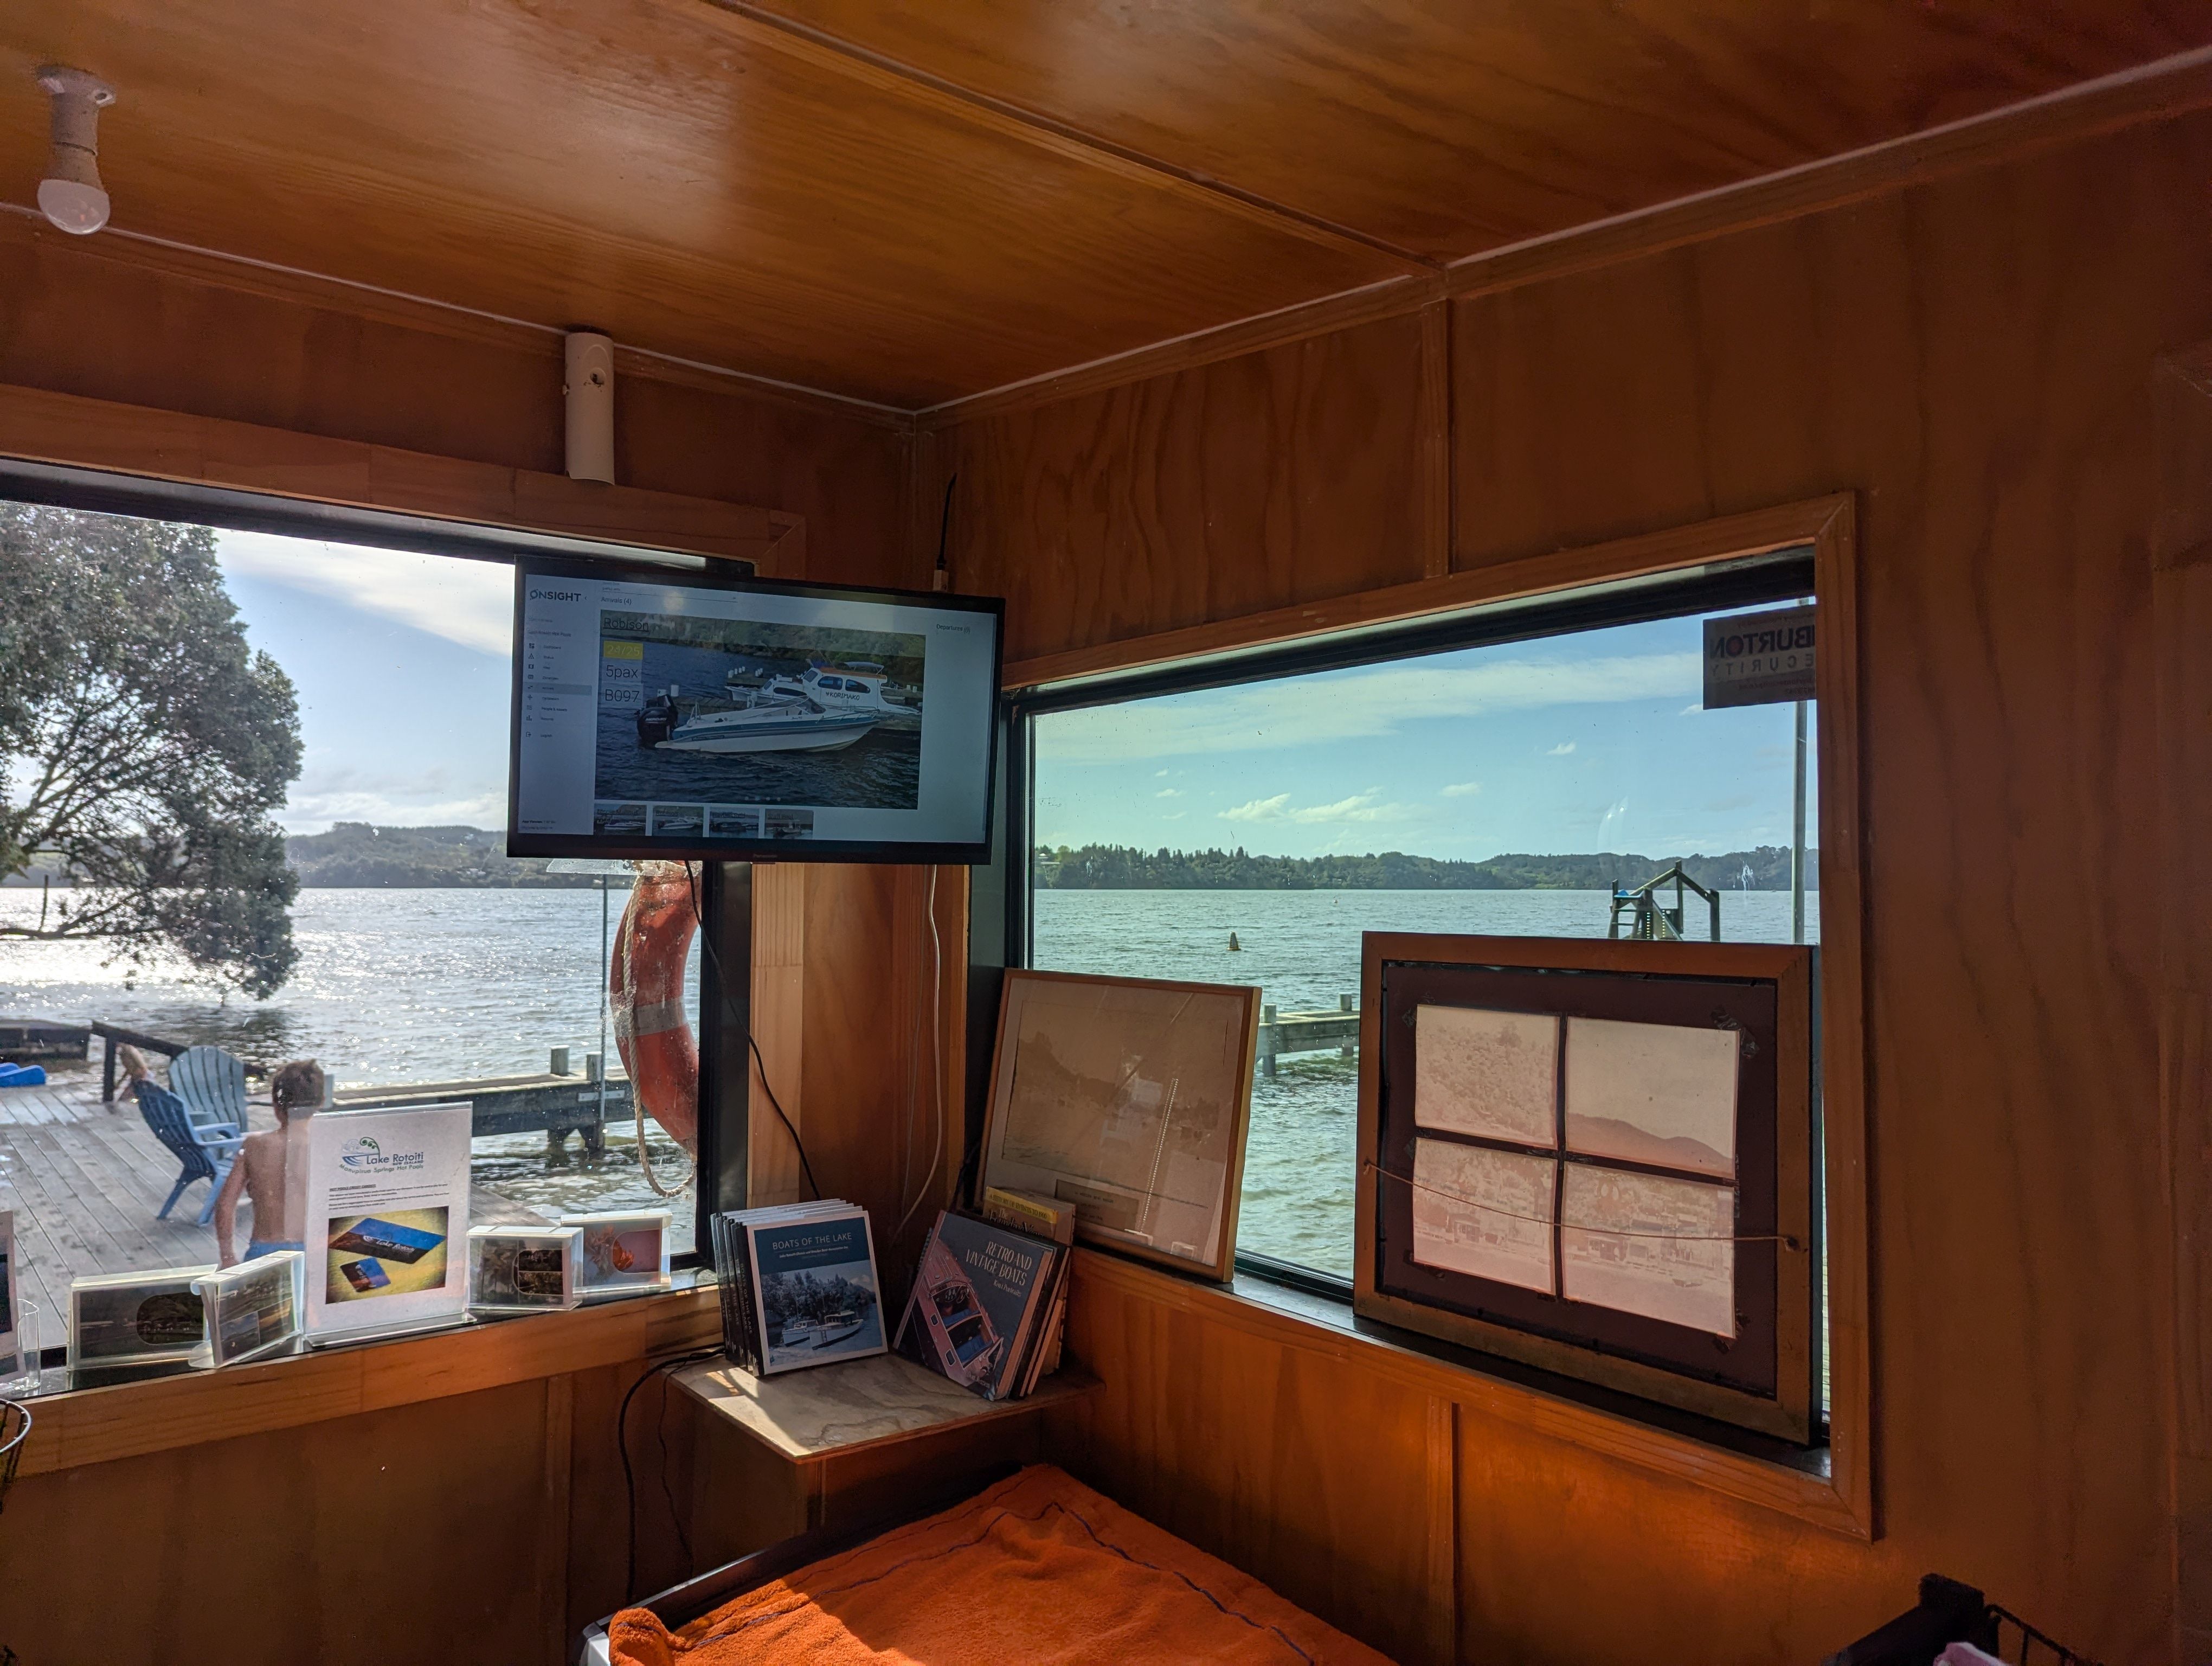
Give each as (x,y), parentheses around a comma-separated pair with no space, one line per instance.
(812,1414)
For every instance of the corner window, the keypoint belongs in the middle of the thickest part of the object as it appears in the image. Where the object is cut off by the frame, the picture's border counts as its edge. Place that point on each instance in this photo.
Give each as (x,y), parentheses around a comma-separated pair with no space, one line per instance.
(253,790)
(1549,772)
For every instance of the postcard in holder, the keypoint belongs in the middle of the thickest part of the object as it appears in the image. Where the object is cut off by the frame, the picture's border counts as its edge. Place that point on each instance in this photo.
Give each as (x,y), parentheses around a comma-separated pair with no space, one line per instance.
(254,1308)
(525,1269)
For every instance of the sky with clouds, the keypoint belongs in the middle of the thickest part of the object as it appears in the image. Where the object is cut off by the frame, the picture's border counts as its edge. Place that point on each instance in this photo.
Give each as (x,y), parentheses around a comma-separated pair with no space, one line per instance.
(401,665)
(1591,742)
(1597,741)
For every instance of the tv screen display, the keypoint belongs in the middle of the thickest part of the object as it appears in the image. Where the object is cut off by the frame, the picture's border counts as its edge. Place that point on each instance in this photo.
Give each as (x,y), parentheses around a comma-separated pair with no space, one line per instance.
(667,714)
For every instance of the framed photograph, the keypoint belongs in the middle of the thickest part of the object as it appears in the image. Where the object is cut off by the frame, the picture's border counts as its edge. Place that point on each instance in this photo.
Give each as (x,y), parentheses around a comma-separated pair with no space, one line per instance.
(621,1252)
(525,1269)
(137,1319)
(1130,1100)
(255,1307)
(1596,1158)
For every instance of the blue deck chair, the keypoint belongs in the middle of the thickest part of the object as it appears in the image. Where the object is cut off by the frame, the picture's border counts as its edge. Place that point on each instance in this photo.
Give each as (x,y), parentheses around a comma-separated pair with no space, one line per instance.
(201,1152)
(212,1084)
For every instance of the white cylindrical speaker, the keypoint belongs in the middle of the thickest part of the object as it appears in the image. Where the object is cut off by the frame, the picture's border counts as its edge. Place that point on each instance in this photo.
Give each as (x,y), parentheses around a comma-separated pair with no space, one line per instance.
(591,398)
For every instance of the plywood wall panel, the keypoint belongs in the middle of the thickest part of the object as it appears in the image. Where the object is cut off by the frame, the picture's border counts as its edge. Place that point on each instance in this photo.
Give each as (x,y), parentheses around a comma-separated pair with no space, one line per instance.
(104,327)
(1973,359)
(1286,476)
(408,1534)
(1300,1469)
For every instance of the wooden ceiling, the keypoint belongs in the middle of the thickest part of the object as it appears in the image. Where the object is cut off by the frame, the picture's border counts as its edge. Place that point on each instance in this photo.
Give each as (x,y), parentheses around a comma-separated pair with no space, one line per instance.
(911,203)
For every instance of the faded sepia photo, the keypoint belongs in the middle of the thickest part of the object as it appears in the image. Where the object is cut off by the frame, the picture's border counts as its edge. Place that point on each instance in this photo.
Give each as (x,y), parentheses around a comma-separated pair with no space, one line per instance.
(1124,1102)
(1658,1093)
(1488,1073)
(1484,1213)
(1641,1244)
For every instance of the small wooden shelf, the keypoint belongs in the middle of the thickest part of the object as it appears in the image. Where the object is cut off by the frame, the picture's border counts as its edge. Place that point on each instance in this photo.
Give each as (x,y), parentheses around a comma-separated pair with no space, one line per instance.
(809,1416)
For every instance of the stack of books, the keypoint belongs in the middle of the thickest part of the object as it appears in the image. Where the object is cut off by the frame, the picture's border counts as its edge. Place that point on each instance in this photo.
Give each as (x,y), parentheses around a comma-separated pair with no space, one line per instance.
(798,1285)
(990,1301)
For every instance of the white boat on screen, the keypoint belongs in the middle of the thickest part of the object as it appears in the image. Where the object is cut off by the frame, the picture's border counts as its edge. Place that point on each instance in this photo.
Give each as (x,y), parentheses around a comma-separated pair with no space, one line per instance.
(819,710)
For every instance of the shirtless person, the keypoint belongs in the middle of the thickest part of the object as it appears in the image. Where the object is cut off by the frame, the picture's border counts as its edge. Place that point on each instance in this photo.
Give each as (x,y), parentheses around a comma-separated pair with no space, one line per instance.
(297,1090)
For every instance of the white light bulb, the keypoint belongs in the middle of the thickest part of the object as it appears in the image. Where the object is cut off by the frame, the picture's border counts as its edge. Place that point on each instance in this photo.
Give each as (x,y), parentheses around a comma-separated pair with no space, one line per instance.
(71,195)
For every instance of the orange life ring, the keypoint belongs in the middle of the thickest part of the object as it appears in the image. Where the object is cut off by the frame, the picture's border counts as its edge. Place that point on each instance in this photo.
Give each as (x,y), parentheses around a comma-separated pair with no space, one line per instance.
(645,981)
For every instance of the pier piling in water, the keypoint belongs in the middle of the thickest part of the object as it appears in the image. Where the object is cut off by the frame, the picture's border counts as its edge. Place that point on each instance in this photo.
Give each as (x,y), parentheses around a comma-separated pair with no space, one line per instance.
(1314,1031)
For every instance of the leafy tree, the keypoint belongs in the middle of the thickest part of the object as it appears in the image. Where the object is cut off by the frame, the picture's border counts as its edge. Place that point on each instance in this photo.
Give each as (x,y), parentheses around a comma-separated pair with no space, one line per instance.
(143,745)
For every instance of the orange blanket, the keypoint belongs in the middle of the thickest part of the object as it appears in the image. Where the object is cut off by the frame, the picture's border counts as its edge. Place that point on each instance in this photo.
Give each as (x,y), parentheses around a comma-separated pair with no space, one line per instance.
(1037,1570)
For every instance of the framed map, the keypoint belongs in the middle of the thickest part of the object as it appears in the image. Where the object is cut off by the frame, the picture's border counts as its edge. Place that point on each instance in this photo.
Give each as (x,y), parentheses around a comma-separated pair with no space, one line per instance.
(1130,1099)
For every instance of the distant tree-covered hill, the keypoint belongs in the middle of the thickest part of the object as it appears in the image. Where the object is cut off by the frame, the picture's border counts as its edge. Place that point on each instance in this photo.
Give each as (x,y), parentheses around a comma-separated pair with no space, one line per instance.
(1120,867)
(355,854)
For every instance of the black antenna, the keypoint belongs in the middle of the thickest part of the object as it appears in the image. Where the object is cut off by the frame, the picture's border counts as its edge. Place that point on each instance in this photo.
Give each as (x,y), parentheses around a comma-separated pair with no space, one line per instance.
(943,580)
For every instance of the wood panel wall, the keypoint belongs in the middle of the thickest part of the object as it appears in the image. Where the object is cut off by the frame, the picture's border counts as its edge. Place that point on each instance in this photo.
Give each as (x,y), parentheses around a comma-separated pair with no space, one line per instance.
(1973,358)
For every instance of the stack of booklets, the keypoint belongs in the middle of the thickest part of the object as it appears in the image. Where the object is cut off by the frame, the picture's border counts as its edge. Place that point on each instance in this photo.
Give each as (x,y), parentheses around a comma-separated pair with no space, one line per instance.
(991,1298)
(798,1285)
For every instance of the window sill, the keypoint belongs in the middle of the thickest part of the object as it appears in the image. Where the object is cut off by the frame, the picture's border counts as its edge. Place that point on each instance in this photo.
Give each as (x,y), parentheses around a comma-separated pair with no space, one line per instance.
(1801,1484)
(192,1407)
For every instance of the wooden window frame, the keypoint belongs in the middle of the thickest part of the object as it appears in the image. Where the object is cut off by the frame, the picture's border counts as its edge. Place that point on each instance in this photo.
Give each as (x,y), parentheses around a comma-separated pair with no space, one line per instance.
(1838,1495)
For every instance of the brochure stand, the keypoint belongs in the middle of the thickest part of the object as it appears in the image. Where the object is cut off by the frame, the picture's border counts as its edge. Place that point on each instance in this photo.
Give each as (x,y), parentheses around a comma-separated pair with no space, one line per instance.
(388,1213)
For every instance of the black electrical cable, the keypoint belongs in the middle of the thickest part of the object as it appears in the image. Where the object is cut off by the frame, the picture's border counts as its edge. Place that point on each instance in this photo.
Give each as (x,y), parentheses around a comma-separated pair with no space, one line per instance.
(629,1476)
(729,1009)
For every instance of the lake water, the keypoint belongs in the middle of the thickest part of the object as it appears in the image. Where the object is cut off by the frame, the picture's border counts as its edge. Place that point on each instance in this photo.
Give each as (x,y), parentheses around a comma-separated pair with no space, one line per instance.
(1302,948)
(393,986)
(400,986)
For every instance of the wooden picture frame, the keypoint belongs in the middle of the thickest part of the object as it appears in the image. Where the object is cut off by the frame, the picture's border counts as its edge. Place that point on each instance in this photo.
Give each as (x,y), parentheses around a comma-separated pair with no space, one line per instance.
(1102,1135)
(1762,1374)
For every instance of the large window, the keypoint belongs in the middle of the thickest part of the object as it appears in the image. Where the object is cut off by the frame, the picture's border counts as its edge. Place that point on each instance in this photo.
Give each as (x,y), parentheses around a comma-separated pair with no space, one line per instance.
(1510,775)
(251,790)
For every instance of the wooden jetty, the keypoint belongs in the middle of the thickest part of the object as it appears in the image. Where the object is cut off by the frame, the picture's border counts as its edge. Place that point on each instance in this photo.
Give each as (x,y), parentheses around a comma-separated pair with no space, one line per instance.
(35,1041)
(559,1105)
(1311,1031)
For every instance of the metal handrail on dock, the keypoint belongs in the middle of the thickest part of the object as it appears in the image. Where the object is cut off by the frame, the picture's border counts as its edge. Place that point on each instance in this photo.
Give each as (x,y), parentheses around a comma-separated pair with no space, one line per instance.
(114,1034)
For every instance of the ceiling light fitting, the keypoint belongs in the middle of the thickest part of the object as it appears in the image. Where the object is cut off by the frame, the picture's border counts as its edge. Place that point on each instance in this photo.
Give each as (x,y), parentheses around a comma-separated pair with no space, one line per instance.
(71,195)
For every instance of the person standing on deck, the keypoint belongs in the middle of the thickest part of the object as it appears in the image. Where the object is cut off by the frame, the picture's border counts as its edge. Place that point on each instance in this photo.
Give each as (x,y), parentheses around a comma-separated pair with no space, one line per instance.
(297,1091)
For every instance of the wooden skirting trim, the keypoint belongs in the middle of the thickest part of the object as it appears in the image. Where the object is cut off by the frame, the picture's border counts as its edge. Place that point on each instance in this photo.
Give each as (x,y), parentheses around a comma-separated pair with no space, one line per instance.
(2168,87)
(38,426)
(1810,1498)
(1748,534)
(95,1425)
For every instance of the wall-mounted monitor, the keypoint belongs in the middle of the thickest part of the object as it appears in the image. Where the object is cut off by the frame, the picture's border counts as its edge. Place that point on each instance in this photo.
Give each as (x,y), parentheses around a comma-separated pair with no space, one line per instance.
(684,714)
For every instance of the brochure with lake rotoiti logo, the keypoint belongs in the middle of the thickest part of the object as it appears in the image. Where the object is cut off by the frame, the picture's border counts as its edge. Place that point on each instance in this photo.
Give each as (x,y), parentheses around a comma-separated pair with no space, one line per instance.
(387,1220)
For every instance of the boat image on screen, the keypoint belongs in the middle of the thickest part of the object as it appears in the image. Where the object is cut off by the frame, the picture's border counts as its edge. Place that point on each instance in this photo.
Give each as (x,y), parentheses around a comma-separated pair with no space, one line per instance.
(737,713)
(818,710)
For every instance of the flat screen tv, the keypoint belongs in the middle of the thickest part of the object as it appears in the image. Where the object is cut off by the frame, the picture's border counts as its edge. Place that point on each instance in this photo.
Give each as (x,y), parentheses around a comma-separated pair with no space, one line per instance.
(665,713)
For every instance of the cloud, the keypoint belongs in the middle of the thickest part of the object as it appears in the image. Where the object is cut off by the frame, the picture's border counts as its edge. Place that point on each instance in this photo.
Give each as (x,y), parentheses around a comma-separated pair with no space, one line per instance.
(1159,774)
(432,797)
(468,602)
(1168,793)
(1357,807)
(1460,790)
(1359,705)
(1258,810)
(1561,750)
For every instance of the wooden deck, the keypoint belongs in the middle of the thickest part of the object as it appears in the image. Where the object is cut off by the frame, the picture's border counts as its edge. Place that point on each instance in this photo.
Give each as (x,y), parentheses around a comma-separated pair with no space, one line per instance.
(86,1181)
